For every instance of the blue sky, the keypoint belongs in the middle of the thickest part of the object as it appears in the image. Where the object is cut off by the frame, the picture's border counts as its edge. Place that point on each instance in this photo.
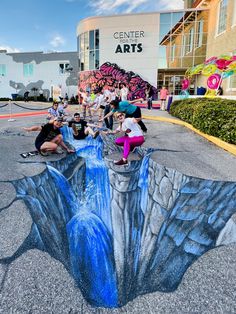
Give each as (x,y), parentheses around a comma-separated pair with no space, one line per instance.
(50,25)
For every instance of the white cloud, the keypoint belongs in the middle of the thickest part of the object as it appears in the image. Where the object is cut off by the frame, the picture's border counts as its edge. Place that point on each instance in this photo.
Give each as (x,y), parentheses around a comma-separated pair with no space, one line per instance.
(114,6)
(9,49)
(57,41)
(126,6)
(170,5)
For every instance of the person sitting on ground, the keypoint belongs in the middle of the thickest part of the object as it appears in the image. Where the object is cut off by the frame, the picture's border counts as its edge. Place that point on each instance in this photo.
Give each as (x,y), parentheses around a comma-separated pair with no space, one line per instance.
(133,138)
(131,111)
(49,137)
(81,128)
(61,109)
(53,111)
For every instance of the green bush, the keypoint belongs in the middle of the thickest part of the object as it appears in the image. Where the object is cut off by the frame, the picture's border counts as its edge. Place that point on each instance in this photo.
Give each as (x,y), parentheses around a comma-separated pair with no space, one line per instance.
(5,99)
(213,116)
(31,98)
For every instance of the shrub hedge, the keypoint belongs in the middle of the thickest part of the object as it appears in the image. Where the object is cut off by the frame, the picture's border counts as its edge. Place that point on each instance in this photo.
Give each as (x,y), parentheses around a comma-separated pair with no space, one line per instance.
(213,116)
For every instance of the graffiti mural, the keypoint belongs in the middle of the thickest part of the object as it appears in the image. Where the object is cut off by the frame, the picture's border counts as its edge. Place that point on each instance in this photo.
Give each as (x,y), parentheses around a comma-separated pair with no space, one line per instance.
(111,74)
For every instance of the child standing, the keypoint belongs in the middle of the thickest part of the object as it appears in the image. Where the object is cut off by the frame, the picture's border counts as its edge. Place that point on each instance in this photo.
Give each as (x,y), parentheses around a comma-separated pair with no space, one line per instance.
(163,96)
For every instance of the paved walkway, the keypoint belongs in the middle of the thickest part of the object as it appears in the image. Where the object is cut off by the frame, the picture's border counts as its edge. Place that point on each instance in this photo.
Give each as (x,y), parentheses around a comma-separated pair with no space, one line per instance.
(178,146)
(37,283)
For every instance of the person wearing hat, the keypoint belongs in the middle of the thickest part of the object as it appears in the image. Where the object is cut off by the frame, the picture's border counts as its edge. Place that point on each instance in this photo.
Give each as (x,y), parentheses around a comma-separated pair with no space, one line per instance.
(49,137)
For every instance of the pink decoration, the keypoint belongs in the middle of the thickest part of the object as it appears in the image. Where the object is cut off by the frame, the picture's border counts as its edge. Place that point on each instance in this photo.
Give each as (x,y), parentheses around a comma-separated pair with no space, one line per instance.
(210,60)
(185,84)
(222,64)
(213,81)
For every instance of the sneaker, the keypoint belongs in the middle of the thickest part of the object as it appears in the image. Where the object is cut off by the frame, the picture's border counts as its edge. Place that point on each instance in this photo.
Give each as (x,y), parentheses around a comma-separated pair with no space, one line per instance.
(43,153)
(58,151)
(96,134)
(121,162)
(25,155)
(74,129)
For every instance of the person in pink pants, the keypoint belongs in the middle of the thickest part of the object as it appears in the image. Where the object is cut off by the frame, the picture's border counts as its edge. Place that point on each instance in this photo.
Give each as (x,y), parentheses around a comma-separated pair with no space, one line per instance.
(133,136)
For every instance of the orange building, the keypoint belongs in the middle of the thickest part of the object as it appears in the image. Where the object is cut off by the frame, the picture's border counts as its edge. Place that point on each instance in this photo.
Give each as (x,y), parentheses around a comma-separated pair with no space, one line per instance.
(207,28)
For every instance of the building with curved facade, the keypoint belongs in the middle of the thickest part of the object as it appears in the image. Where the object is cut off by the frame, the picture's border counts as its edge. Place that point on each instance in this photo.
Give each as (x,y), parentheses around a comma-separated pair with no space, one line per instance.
(156,48)
(137,49)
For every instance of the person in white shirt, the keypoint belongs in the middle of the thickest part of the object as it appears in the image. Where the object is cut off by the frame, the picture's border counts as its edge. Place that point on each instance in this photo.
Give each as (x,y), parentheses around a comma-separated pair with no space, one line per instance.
(133,136)
(107,94)
(86,104)
(107,99)
(98,104)
(124,92)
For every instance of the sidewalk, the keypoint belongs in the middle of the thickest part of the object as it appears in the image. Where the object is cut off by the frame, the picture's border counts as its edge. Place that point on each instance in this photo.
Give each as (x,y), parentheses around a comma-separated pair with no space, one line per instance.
(210,279)
(178,146)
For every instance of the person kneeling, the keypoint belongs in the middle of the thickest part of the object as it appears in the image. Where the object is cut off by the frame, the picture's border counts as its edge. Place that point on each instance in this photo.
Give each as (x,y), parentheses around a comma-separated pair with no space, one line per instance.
(49,137)
(133,138)
(81,128)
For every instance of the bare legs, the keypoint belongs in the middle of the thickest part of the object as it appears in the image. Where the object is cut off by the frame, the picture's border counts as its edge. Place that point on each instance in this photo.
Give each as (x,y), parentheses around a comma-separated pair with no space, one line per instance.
(53,144)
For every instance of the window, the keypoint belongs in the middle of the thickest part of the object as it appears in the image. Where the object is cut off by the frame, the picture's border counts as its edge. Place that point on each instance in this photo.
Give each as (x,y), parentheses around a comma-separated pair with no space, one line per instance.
(232,83)
(3,71)
(172,52)
(190,40)
(222,16)
(28,69)
(88,52)
(234,14)
(199,35)
(232,78)
(97,39)
(178,42)
(63,68)
(91,40)
(78,44)
(183,46)
(97,59)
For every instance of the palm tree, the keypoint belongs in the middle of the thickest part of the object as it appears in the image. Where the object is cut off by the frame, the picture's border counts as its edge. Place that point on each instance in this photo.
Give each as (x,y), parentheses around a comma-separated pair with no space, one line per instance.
(34,90)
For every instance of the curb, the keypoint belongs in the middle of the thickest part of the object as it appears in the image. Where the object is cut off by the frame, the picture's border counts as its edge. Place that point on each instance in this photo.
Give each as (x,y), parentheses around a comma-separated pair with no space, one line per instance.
(231,148)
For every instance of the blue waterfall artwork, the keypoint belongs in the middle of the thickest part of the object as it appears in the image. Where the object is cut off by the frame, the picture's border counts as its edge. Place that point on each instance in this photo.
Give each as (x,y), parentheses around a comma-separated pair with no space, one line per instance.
(92,260)
(120,242)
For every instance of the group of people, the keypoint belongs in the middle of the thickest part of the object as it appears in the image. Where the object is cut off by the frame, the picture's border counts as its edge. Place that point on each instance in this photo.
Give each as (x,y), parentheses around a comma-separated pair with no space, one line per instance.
(107,103)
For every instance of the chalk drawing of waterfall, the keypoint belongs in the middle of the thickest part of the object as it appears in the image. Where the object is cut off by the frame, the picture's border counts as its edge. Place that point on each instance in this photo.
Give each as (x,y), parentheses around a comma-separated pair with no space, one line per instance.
(148,247)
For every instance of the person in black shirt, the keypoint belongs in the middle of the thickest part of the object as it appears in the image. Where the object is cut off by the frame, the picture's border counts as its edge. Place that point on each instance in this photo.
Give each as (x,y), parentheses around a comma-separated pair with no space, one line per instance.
(81,128)
(149,95)
(49,137)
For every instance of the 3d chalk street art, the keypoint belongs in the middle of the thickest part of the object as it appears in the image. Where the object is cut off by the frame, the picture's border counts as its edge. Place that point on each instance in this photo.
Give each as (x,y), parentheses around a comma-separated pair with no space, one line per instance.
(121,231)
